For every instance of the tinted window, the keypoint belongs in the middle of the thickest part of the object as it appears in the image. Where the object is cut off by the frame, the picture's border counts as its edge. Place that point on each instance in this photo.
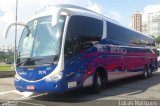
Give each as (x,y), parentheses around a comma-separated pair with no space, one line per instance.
(119,33)
(85,26)
(83,32)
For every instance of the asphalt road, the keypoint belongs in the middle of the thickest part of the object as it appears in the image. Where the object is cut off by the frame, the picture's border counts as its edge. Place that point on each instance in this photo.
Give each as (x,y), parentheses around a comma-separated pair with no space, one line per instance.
(124,92)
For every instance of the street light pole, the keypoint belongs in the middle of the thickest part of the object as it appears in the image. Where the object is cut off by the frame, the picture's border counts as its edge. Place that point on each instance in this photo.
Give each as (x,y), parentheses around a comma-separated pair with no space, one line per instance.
(15,46)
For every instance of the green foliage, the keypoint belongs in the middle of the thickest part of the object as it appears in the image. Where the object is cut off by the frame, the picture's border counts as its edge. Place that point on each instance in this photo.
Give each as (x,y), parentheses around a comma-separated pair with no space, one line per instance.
(6,57)
(158,40)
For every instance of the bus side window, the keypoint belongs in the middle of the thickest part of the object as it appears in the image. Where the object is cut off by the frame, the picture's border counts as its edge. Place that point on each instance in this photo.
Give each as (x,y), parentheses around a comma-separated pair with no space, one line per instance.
(83,32)
(71,46)
(87,42)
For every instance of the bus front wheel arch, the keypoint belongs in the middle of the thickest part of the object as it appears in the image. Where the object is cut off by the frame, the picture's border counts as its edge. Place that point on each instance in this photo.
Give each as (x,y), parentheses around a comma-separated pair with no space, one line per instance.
(99,80)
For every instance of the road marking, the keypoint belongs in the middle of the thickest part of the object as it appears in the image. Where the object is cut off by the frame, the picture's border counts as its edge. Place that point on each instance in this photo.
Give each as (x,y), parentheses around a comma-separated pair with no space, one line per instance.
(32,103)
(24,94)
(29,97)
(2,93)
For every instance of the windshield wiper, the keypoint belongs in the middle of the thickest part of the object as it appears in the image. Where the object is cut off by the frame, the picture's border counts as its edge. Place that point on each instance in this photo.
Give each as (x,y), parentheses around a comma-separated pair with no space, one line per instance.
(42,61)
(21,62)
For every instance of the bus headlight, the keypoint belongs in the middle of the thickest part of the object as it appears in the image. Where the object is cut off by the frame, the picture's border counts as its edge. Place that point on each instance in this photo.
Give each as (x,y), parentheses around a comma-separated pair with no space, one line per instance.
(16,77)
(54,78)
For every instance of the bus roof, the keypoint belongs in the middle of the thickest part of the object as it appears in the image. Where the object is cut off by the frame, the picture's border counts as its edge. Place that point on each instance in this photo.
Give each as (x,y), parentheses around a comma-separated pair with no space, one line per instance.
(72,10)
(77,10)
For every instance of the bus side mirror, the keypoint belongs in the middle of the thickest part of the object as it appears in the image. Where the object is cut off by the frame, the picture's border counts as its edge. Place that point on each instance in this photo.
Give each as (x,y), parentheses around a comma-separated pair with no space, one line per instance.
(6,30)
(55,19)
(56,14)
(5,33)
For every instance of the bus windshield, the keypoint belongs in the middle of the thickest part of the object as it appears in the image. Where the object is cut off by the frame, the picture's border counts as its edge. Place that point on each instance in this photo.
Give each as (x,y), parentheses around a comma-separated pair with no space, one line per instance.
(40,38)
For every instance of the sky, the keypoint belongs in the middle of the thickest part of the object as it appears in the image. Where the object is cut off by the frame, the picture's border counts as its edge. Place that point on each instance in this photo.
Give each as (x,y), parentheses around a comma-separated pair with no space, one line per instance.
(119,10)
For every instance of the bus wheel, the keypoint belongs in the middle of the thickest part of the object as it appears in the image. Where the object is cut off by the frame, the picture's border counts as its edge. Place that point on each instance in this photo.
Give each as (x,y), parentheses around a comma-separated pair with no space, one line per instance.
(149,72)
(97,83)
(145,72)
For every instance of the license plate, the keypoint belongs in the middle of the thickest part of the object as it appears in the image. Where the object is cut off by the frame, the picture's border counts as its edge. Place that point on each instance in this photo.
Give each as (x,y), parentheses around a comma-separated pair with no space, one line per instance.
(72,84)
(30,87)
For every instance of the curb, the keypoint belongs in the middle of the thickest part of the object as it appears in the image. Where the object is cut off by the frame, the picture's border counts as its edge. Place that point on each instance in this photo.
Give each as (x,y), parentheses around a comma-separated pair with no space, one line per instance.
(4,74)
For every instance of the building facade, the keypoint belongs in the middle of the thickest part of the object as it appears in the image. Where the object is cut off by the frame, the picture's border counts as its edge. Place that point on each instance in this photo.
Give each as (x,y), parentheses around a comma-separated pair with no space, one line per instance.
(145,27)
(136,23)
(154,24)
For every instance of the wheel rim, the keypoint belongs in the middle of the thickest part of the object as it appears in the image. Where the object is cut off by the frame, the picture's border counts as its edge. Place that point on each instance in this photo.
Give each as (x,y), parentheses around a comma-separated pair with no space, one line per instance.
(145,74)
(149,72)
(99,81)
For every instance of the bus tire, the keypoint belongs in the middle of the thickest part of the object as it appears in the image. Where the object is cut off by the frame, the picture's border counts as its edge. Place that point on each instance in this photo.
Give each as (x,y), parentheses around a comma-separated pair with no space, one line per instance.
(149,72)
(145,72)
(97,82)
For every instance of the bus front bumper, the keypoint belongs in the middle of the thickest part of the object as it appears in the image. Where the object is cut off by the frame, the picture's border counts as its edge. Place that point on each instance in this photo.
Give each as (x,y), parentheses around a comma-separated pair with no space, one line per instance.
(40,86)
(43,86)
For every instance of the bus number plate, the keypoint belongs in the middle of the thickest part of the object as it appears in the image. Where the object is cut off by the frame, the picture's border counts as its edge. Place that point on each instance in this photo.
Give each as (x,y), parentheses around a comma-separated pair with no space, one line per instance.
(30,87)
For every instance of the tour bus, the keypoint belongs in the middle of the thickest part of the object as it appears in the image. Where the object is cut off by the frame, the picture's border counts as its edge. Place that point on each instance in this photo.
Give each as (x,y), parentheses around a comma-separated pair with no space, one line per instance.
(67,47)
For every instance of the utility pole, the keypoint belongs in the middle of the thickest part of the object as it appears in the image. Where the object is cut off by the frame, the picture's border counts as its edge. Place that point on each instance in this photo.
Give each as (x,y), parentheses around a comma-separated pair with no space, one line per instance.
(15,48)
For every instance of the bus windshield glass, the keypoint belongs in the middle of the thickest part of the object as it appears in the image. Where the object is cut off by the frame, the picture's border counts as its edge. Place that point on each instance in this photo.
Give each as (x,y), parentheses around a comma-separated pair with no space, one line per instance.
(40,38)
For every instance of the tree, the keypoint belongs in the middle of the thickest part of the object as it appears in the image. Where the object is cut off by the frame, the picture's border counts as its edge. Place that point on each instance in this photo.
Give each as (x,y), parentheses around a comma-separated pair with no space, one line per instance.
(6,57)
(157,40)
